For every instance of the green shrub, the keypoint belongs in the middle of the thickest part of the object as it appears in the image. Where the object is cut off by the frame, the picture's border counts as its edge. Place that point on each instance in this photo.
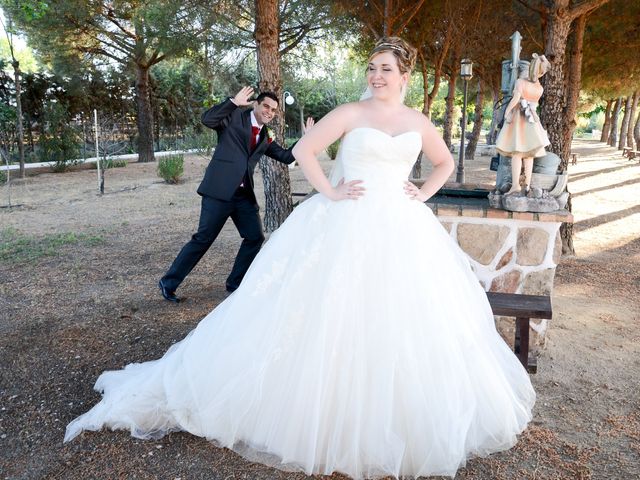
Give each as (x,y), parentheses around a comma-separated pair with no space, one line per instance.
(3,177)
(107,163)
(332,150)
(171,168)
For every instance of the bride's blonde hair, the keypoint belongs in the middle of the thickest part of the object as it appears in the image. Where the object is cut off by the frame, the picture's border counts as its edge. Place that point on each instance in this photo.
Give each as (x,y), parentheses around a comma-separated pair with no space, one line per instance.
(405,54)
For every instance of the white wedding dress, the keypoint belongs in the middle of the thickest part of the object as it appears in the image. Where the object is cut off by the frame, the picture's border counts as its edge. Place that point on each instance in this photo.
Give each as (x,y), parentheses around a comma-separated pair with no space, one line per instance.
(360,341)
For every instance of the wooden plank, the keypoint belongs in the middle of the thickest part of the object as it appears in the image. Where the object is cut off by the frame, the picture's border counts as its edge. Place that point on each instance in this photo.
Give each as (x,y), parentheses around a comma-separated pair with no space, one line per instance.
(517,305)
(521,344)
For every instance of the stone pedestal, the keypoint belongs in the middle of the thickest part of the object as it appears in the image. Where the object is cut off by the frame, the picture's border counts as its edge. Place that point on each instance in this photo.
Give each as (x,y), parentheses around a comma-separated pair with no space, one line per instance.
(513,252)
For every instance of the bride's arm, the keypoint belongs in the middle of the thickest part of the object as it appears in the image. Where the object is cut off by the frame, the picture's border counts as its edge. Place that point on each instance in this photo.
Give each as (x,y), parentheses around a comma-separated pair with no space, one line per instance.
(437,152)
(324,133)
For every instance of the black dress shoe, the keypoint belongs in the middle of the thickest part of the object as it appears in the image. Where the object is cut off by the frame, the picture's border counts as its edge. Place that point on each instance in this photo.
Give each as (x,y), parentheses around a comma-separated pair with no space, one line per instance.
(168,294)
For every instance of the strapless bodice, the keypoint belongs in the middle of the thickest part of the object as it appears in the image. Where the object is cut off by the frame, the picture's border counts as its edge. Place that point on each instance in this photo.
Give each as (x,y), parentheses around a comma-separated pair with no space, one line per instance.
(377,158)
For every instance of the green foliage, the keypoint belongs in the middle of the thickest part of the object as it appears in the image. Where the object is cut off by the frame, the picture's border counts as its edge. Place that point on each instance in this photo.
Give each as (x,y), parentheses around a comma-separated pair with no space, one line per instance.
(59,142)
(171,168)
(3,177)
(107,163)
(332,150)
(17,247)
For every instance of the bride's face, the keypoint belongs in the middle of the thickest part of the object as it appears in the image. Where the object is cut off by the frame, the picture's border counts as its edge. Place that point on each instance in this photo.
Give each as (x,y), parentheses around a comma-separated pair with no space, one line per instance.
(384,77)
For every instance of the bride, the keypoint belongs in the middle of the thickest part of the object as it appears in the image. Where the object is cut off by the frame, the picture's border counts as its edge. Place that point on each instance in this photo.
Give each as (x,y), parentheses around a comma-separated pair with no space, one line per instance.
(360,340)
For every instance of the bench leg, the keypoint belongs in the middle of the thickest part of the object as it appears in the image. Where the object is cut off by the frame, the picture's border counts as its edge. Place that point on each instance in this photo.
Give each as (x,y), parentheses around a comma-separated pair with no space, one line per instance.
(521,344)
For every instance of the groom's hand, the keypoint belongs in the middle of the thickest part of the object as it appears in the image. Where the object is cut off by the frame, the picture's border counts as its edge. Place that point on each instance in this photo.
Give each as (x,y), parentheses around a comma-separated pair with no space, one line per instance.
(242,97)
(307,126)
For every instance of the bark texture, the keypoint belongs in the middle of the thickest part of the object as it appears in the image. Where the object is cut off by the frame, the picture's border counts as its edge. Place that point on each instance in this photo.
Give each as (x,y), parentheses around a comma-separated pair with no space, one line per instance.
(624,126)
(275,175)
(606,126)
(477,124)
(145,114)
(613,133)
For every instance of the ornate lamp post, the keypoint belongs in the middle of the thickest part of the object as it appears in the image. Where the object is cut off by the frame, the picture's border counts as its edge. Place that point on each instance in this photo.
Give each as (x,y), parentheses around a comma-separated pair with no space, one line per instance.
(466,72)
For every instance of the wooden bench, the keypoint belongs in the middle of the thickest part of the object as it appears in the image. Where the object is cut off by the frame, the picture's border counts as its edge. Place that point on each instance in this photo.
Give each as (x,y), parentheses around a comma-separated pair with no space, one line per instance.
(523,308)
(631,154)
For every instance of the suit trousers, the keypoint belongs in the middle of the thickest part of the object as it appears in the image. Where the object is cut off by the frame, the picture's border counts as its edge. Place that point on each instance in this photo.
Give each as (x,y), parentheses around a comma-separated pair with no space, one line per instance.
(244,212)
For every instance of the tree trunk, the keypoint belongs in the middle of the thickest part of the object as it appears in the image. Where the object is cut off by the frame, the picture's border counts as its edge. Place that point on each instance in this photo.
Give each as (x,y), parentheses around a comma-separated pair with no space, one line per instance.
(449,111)
(492,135)
(624,126)
(632,116)
(426,109)
(613,134)
(277,185)
(636,133)
(606,126)
(477,124)
(573,85)
(20,131)
(552,104)
(144,114)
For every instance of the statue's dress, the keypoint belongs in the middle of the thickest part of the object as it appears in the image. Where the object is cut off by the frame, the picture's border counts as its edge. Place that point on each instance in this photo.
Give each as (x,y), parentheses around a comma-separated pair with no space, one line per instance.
(524,134)
(359,341)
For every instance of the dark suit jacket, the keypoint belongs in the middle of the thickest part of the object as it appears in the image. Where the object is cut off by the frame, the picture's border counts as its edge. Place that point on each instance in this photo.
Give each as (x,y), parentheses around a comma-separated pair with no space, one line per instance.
(233,162)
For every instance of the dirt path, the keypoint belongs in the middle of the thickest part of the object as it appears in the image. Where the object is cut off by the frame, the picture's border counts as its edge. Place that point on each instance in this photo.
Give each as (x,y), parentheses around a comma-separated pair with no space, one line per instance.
(78,296)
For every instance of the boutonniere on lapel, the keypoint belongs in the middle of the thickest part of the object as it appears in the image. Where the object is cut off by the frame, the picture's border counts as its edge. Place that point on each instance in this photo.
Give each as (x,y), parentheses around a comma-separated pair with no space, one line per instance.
(270,135)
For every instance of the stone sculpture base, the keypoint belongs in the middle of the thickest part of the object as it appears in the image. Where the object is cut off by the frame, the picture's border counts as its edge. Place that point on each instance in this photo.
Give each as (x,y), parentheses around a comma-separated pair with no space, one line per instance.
(536,200)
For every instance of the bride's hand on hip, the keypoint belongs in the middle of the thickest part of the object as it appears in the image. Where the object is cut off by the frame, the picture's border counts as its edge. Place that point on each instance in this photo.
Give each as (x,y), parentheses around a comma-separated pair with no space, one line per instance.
(348,191)
(414,192)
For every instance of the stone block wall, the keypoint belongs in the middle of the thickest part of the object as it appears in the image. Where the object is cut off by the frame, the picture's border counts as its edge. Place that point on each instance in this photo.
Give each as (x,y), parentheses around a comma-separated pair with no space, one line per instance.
(509,252)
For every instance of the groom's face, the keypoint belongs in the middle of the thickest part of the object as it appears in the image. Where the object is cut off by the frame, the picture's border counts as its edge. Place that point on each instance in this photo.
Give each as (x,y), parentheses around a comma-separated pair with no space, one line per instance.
(265,110)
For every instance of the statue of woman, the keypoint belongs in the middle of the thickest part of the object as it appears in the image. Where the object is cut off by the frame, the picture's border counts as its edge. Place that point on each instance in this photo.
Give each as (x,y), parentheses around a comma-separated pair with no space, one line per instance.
(522,136)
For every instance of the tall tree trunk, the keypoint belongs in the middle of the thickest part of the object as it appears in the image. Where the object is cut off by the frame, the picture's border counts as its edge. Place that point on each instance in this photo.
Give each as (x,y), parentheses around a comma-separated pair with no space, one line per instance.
(277,185)
(19,122)
(552,104)
(573,85)
(606,126)
(426,108)
(145,114)
(624,126)
(557,17)
(449,111)
(477,124)
(636,132)
(613,134)
(632,116)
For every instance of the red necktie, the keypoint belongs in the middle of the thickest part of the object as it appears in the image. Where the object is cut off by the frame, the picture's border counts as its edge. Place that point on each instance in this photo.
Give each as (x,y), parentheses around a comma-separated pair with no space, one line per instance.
(255,131)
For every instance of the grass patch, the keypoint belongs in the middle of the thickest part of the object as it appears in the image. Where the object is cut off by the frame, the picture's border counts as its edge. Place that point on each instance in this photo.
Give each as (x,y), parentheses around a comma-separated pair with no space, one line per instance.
(16,247)
(107,163)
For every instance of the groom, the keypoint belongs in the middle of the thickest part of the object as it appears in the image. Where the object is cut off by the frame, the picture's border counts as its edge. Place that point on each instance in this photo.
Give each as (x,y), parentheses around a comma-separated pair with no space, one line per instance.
(227,187)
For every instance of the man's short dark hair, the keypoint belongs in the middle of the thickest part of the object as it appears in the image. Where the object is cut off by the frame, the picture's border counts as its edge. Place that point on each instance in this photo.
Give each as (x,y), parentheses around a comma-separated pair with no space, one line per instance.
(270,95)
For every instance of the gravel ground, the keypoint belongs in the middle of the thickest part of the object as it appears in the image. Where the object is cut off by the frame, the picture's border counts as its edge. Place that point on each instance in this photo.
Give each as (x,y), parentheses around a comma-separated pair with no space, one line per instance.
(78,295)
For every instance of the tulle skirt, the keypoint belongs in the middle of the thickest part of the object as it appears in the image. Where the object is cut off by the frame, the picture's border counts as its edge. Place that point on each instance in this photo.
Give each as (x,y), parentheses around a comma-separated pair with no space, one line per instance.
(360,341)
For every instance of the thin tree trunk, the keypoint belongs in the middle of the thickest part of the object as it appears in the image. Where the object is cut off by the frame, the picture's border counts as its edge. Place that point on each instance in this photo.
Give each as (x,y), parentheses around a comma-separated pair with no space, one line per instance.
(632,116)
(477,124)
(606,126)
(624,126)
(573,85)
(20,131)
(277,185)
(636,132)
(613,134)
(493,128)
(449,111)
(145,114)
